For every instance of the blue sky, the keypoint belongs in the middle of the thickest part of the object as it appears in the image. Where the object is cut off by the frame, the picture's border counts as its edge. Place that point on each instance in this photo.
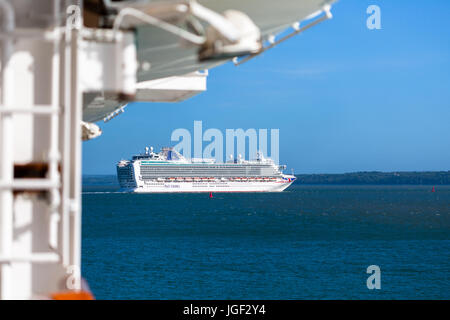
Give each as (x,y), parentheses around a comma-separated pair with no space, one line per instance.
(345,98)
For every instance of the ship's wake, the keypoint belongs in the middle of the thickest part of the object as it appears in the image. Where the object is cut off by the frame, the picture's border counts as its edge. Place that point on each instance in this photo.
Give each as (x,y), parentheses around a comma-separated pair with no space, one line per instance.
(103,192)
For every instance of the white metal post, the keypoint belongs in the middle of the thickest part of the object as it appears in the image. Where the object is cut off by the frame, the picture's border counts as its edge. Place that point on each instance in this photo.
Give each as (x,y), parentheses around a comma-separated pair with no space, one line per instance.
(76,117)
(71,217)
(6,151)
(54,154)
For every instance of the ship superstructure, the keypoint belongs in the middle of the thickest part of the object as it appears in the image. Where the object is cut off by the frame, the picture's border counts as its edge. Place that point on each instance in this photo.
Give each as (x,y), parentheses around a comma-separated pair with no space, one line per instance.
(169,171)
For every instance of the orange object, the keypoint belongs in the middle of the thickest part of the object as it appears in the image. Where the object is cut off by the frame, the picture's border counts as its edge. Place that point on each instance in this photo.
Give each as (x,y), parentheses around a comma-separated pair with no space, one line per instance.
(73,295)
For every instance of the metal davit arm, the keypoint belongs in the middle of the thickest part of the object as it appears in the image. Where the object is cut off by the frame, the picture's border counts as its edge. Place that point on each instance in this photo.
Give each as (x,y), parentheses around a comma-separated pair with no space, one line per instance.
(297,30)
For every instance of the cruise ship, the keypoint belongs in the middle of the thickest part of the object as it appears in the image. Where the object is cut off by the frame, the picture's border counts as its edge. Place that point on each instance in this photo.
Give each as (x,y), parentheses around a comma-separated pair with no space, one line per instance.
(169,171)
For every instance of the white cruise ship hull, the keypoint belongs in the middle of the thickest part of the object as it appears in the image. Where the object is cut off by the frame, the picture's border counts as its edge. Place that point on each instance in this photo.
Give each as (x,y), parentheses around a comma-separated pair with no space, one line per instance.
(172,187)
(169,172)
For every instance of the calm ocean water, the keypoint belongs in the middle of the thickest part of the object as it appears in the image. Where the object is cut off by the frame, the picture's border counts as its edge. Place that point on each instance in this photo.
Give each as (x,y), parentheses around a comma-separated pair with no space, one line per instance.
(309,242)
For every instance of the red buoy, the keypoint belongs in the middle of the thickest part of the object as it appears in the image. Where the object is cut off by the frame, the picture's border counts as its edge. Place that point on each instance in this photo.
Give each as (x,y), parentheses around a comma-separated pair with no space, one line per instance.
(210,195)
(432,189)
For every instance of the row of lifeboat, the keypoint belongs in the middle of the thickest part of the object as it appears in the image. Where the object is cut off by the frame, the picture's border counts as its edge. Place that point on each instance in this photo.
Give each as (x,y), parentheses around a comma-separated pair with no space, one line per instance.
(211,179)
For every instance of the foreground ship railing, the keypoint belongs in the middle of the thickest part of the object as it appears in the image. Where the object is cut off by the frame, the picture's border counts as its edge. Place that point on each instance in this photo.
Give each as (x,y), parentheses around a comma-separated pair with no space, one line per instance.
(40,148)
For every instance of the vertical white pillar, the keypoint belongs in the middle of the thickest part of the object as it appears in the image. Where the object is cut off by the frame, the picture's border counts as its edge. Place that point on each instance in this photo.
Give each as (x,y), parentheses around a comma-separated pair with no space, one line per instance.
(76,111)
(6,154)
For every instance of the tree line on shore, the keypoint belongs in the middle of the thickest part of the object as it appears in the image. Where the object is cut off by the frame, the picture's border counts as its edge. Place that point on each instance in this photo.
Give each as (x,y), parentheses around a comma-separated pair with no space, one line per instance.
(378,178)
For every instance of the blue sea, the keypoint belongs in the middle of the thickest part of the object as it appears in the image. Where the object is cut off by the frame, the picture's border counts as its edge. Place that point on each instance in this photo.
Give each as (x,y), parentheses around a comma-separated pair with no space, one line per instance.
(309,242)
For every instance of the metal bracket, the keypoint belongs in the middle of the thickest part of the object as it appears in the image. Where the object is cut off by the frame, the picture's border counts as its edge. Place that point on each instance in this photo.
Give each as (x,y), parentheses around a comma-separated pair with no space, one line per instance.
(115,113)
(297,30)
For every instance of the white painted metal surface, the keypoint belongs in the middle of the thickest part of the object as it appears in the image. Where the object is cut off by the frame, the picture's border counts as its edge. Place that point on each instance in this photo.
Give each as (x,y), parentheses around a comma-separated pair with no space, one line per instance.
(6,152)
(172,89)
(32,133)
(100,51)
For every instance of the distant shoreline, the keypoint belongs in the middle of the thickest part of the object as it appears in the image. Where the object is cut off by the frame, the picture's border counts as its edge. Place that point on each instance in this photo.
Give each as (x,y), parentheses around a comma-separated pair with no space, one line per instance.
(352,178)
(378,178)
